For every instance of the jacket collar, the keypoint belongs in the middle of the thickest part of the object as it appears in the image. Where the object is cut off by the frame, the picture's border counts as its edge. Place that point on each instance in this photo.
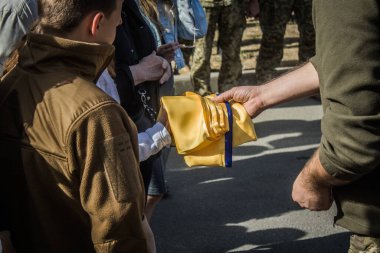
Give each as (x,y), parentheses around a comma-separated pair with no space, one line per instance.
(88,60)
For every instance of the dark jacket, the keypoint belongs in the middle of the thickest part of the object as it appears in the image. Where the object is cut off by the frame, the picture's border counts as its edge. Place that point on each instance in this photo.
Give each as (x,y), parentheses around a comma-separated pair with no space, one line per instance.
(134,40)
(69,174)
(348,66)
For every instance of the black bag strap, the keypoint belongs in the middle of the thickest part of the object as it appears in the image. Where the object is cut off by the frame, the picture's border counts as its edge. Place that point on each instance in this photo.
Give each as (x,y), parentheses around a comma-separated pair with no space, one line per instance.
(146,100)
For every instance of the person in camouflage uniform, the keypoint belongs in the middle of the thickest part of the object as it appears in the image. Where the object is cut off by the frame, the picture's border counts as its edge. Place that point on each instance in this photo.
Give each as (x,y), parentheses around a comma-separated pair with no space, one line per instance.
(229,16)
(274,15)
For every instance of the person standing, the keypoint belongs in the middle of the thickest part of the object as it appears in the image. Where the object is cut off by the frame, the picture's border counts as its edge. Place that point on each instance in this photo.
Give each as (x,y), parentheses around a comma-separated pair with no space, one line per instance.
(16,19)
(346,166)
(274,16)
(229,17)
(70,178)
(143,73)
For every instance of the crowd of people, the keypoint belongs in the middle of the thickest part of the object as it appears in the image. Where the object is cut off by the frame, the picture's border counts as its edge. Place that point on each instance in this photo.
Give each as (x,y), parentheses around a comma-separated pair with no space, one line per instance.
(84,139)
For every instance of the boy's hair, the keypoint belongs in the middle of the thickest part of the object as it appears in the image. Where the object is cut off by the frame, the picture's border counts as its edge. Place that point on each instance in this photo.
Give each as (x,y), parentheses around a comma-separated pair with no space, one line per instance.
(62,16)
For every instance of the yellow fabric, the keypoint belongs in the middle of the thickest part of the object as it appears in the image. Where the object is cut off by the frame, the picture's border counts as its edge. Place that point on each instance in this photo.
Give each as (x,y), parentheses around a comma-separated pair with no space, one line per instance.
(198,126)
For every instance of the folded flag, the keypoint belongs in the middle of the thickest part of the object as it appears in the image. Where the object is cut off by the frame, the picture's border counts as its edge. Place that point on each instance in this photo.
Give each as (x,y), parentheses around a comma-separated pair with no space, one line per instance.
(203,131)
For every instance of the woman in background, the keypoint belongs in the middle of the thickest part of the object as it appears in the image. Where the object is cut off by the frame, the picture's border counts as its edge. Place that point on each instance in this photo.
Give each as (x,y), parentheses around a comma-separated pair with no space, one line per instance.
(142,72)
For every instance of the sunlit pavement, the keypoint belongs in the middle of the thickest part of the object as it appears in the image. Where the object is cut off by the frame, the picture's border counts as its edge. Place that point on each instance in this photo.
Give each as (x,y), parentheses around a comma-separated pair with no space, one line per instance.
(248,208)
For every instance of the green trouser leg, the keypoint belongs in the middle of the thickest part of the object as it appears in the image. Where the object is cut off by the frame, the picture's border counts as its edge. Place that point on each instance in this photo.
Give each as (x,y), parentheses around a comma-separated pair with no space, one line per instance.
(274,16)
(303,16)
(200,66)
(230,38)
(230,21)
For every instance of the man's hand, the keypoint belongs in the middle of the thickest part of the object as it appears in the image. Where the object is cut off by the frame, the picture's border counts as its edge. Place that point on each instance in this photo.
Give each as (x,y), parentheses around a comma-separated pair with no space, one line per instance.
(249,96)
(151,68)
(311,195)
(312,188)
(253,10)
(167,50)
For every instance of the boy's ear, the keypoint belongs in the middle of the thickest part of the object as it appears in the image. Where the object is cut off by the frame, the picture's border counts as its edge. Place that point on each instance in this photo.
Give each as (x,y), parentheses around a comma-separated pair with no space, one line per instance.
(95,23)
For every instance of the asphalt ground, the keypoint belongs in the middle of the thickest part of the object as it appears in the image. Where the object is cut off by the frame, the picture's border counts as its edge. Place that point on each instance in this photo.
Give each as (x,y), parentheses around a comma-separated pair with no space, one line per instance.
(248,208)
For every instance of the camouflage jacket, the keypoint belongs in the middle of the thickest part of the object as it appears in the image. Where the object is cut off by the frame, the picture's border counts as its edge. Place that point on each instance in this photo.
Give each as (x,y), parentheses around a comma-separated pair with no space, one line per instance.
(217,3)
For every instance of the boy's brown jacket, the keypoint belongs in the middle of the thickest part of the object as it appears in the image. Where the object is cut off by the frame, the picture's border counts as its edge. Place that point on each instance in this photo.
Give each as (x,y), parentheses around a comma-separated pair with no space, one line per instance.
(69,176)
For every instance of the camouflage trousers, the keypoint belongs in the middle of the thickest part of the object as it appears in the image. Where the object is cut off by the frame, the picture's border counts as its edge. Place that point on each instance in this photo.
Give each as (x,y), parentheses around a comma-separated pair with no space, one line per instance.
(230,21)
(274,15)
(364,244)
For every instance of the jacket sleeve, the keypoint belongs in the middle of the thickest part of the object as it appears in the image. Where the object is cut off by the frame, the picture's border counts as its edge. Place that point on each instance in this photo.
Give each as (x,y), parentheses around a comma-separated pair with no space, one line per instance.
(347,61)
(153,140)
(125,84)
(105,161)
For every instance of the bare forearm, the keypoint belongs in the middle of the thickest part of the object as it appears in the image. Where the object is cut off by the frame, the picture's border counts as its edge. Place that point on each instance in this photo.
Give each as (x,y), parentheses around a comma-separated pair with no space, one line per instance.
(318,175)
(299,83)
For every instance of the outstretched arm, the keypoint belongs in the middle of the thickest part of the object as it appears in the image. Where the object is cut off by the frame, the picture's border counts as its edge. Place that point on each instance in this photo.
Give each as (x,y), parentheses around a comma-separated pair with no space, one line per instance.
(299,83)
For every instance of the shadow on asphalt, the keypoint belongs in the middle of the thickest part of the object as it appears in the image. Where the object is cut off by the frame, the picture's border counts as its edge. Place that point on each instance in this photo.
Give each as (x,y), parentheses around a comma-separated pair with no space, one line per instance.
(328,244)
(209,209)
(213,209)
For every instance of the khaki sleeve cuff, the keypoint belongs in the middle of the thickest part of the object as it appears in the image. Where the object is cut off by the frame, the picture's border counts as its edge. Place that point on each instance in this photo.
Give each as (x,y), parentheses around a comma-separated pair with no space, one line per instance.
(332,166)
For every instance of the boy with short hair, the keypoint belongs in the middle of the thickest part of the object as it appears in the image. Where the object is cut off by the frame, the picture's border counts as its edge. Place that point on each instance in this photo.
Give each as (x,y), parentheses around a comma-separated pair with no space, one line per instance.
(69,176)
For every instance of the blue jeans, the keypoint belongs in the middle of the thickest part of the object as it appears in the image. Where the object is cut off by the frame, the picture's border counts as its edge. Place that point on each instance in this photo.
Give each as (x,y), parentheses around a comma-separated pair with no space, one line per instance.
(170,34)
